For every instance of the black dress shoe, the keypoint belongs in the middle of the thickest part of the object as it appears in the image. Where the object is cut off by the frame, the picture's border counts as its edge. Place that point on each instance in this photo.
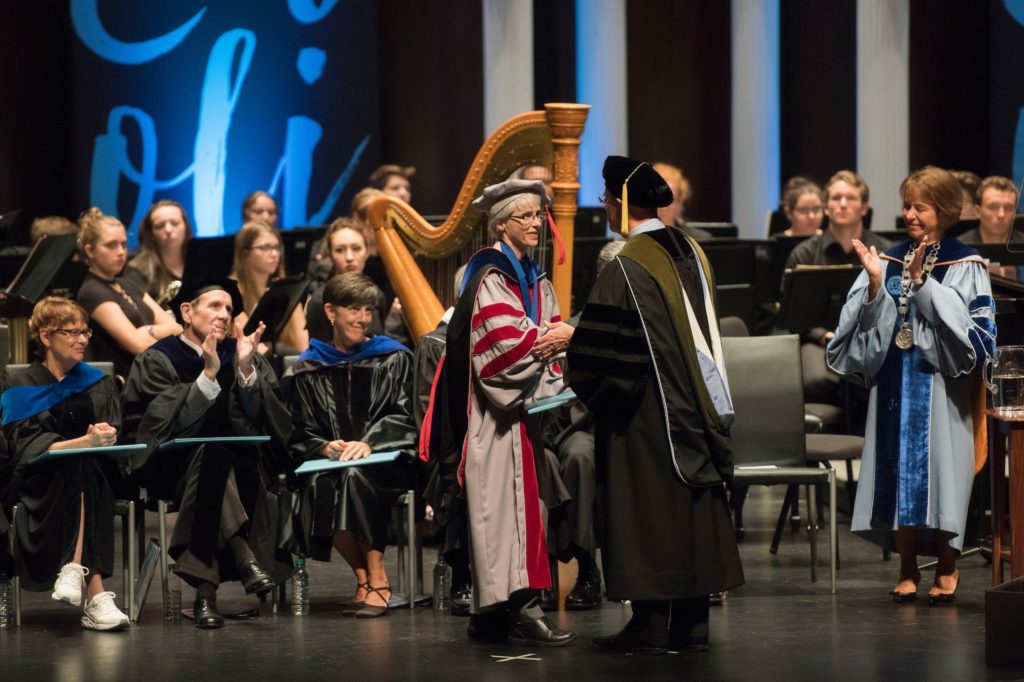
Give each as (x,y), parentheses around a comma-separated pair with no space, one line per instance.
(461,595)
(548,600)
(255,579)
(632,639)
(684,644)
(585,595)
(539,632)
(207,617)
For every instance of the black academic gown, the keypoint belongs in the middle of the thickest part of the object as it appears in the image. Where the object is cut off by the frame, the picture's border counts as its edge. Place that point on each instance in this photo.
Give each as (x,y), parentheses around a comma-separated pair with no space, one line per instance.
(51,493)
(369,401)
(662,518)
(221,490)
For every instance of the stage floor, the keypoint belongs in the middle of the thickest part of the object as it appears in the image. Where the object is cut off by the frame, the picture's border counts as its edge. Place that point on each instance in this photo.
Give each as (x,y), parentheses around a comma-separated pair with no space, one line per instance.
(779,626)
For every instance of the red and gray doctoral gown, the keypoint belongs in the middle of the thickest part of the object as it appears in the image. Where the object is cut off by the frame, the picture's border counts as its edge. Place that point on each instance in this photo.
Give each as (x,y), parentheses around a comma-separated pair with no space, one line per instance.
(507,481)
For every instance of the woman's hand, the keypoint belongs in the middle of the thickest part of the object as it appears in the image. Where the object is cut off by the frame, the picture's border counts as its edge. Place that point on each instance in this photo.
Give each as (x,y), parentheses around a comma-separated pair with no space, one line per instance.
(554,341)
(247,347)
(916,267)
(346,450)
(101,435)
(872,265)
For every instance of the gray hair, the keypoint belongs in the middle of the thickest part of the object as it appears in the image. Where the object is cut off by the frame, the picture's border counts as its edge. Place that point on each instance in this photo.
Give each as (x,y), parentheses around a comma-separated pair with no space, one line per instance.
(608,253)
(501,211)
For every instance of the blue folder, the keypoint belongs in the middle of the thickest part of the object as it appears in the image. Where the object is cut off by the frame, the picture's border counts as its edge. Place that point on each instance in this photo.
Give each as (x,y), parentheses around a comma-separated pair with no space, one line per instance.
(314,465)
(178,443)
(550,403)
(111,452)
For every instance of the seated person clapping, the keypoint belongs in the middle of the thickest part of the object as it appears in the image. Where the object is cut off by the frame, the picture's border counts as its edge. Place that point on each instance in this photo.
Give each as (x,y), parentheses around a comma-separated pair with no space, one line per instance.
(350,398)
(61,403)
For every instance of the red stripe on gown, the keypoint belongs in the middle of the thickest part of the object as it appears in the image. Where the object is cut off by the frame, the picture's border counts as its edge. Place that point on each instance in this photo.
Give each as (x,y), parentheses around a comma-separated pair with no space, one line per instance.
(496,310)
(538,570)
(496,335)
(511,356)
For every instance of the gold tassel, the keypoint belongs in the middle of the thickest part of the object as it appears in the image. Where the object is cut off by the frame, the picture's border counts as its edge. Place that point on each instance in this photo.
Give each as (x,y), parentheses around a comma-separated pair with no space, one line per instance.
(624,227)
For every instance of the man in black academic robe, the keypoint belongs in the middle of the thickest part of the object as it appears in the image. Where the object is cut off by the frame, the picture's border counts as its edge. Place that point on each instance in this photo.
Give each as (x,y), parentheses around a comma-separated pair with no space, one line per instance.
(646,360)
(202,384)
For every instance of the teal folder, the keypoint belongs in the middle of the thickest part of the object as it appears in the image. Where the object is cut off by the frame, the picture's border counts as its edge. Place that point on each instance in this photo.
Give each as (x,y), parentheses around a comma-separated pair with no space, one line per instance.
(111,452)
(325,464)
(179,443)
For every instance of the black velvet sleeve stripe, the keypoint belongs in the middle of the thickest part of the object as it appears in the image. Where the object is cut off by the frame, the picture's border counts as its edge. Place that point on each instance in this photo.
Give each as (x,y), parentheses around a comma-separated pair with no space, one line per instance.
(598,313)
(610,341)
(600,362)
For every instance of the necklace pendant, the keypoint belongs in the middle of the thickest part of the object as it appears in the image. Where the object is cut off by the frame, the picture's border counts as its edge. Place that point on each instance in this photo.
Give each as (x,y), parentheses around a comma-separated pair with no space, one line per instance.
(905,337)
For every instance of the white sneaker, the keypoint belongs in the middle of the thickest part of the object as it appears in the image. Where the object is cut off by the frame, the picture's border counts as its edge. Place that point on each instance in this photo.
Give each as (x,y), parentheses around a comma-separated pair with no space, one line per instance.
(101,613)
(70,582)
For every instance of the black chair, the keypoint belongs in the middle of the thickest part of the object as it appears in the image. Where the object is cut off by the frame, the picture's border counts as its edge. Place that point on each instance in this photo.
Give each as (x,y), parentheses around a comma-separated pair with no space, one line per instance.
(768,437)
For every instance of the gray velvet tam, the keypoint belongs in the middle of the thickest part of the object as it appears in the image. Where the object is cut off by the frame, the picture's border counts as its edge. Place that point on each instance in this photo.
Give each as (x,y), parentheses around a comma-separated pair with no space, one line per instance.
(647,189)
(496,197)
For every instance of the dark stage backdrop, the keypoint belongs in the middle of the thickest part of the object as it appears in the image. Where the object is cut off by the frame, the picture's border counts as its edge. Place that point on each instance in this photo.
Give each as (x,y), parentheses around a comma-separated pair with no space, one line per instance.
(204,102)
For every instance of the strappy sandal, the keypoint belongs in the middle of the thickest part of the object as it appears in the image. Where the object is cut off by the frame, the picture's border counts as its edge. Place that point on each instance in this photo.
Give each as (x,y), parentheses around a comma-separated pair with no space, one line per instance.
(372,611)
(351,608)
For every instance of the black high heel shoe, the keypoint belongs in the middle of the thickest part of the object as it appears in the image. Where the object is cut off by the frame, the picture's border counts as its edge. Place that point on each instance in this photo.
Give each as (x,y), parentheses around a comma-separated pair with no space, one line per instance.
(351,608)
(942,598)
(906,597)
(370,610)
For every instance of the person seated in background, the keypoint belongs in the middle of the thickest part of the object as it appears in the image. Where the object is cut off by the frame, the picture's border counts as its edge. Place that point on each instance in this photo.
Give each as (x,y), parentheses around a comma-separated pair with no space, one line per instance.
(846,205)
(394,181)
(164,234)
(673,214)
(204,384)
(259,260)
(996,210)
(802,202)
(50,226)
(344,247)
(127,319)
(259,206)
(350,398)
(969,188)
(58,403)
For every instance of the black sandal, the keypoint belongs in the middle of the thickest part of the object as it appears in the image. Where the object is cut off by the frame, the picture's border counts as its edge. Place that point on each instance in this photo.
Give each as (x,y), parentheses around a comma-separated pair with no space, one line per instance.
(371,611)
(351,608)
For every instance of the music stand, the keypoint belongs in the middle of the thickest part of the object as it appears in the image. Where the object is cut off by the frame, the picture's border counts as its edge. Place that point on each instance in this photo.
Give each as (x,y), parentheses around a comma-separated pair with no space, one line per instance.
(813,296)
(7,221)
(276,306)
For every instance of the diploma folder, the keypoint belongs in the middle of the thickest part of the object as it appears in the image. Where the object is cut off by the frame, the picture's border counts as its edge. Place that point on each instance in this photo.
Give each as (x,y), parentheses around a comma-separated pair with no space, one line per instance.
(112,452)
(315,465)
(178,443)
(551,402)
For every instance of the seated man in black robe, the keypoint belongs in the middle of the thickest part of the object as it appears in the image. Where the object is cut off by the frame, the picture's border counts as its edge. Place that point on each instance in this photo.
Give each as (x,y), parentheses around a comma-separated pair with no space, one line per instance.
(202,384)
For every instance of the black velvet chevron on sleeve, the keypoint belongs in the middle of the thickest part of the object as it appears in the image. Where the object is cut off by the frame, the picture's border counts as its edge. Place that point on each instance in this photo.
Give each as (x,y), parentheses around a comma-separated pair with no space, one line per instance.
(610,340)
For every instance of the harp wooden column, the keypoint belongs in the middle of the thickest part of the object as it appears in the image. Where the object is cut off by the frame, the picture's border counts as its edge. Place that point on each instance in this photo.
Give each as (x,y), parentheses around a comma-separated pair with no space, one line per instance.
(566,122)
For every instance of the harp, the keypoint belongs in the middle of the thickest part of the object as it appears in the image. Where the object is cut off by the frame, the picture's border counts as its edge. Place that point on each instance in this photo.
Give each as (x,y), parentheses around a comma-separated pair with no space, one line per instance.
(409,245)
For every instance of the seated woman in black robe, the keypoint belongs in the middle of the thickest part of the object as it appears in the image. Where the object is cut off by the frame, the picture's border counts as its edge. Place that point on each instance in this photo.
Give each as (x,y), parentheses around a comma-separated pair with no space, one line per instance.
(62,403)
(349,399)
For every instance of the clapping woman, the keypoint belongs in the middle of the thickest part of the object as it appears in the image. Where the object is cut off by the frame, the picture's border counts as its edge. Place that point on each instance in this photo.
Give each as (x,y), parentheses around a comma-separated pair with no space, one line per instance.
(917,327)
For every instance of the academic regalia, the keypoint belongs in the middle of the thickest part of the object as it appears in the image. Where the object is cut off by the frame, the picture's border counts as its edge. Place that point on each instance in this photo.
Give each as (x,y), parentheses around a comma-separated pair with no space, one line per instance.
(646,360)
(503,472)
(926,423)
(363,394)
(37,412)
(222,490)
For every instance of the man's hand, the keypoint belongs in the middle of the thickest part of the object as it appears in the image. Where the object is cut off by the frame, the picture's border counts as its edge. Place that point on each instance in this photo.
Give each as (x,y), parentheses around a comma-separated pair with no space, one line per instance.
(246,347)
(211,361)
(346,450)
(101,435)
(555,341)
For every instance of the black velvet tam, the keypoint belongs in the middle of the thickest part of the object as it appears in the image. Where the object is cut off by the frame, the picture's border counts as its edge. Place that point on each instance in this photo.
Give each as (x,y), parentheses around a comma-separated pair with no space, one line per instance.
(193,288)
(647,189)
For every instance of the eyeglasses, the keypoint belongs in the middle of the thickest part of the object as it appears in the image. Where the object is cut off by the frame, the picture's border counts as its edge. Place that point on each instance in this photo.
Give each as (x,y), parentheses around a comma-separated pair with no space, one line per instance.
(528,218)
(267,248)
(605,198)
(73,334)
(809,210)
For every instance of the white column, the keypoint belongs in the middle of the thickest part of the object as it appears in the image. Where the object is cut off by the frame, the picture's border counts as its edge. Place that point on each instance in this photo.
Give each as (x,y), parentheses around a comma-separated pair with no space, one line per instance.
(755,114)
(883,103)
(601,83)
(508,60)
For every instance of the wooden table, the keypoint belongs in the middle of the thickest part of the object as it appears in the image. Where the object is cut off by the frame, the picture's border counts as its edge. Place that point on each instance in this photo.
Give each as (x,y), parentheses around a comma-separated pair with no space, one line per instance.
(1012,426)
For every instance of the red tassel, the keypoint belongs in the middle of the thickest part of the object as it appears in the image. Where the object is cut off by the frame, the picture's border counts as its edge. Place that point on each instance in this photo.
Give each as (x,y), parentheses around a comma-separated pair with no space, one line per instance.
(557,237)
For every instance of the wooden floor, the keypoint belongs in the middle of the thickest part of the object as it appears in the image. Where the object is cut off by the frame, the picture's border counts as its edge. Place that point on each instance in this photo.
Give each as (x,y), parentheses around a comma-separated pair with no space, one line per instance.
(779,626)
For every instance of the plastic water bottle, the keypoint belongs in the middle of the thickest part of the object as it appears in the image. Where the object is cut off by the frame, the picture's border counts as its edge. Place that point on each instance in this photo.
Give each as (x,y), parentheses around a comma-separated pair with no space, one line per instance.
(300,588)
(172,600)
(6,602)
(442,585)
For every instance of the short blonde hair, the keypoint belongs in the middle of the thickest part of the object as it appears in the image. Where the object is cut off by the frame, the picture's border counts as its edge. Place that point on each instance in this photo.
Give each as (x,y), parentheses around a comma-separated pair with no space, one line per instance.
(675,178)
(996,182)
(53,312)
(850,178)
(51,226)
